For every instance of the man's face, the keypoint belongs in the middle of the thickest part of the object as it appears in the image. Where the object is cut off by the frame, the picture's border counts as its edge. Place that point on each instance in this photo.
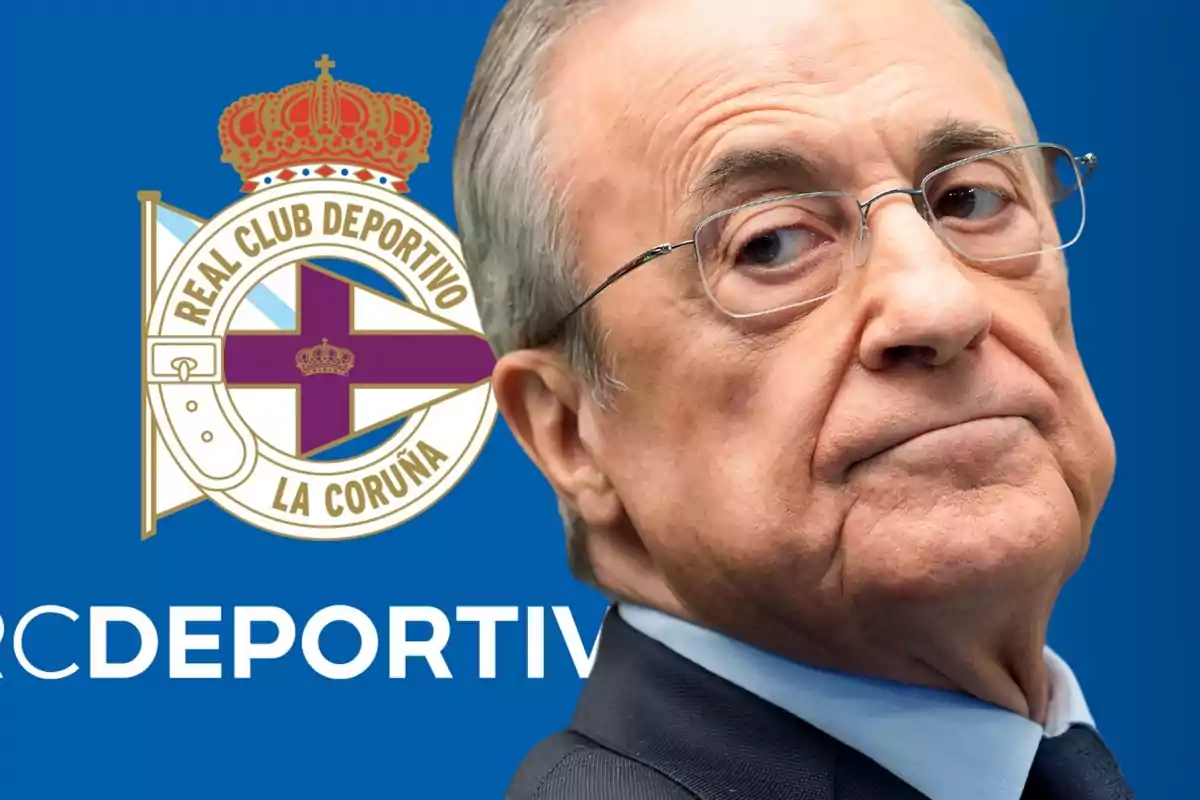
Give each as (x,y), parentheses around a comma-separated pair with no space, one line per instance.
(927,435)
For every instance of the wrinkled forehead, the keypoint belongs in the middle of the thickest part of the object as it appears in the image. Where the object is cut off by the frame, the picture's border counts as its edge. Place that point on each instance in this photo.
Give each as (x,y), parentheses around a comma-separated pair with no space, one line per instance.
(669,84)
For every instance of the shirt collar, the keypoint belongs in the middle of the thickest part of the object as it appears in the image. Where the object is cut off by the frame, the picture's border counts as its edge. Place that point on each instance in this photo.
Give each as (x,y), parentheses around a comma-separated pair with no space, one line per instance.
(944,744)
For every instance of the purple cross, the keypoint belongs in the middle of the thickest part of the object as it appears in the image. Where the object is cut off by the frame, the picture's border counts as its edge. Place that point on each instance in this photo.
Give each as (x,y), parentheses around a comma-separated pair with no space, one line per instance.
(392,359)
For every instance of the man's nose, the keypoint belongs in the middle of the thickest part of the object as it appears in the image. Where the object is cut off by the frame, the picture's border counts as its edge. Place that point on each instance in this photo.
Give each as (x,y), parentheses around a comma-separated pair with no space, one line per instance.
(922,307)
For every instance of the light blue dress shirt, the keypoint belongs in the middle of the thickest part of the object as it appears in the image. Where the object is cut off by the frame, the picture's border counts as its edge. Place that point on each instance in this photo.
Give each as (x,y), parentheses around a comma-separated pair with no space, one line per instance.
(946,745)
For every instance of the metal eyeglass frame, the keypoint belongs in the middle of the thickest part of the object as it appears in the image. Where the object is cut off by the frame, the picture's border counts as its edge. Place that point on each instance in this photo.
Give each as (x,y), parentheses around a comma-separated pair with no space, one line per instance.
(1084,165)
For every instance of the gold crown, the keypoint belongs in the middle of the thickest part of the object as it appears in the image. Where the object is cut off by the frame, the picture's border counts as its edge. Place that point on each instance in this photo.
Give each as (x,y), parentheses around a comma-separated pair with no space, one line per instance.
(325,120)
(324,359)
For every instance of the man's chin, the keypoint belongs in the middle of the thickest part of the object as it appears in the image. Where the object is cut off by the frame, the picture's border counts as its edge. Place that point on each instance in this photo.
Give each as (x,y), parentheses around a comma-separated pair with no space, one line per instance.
(959,544)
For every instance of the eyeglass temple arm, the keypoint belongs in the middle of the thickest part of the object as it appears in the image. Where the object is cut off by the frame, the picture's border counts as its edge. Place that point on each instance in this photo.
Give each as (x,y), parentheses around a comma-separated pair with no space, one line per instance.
(1087,164)
(649,255)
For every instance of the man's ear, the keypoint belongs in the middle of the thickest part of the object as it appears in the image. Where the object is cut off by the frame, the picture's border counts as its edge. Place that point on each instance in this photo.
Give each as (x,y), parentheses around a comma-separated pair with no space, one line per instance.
(549,409)
(541,399)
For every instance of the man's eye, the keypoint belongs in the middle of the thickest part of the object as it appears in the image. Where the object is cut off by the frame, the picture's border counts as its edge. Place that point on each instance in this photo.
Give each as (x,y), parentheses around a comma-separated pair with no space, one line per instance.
(777,248)
(971,203)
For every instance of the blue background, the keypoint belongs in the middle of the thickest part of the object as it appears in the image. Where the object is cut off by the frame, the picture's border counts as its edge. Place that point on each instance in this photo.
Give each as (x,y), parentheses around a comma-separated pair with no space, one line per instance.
(103,100)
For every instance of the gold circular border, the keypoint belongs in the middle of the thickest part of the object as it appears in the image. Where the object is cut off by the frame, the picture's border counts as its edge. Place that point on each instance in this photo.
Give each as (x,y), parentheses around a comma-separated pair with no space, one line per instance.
(478,433)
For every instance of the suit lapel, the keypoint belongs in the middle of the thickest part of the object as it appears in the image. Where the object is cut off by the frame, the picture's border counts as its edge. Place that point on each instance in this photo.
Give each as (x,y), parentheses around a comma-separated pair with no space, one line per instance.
(717,740)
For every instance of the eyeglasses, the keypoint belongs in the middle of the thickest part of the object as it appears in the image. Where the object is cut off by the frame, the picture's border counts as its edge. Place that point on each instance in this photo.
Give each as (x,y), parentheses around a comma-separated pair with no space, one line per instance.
(787,252)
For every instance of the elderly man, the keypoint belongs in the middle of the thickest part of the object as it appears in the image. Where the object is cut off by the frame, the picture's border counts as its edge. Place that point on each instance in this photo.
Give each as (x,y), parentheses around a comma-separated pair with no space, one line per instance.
(829,447)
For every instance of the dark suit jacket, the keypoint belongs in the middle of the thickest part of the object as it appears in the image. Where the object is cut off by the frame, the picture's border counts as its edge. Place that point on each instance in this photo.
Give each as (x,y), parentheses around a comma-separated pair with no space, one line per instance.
(651,724)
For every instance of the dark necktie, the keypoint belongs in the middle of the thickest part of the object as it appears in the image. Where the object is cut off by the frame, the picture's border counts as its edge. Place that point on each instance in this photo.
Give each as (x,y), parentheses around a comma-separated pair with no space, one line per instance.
(1075,766)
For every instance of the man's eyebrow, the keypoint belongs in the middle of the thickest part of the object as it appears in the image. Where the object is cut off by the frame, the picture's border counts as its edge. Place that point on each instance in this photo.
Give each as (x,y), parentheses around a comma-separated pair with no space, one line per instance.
(739,167)
(955,139)
(783,165)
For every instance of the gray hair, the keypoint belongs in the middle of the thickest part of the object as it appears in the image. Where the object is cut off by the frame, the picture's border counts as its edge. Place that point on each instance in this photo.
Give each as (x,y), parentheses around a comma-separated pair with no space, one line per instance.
(519,252)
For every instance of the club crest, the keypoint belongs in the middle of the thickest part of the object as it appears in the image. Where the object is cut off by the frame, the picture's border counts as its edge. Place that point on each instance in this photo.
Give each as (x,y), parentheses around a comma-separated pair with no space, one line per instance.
(313,359)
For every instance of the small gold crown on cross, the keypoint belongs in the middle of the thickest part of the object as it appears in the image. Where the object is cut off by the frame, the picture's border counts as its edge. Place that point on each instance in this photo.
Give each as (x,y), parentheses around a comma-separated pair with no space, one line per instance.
(324,359)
